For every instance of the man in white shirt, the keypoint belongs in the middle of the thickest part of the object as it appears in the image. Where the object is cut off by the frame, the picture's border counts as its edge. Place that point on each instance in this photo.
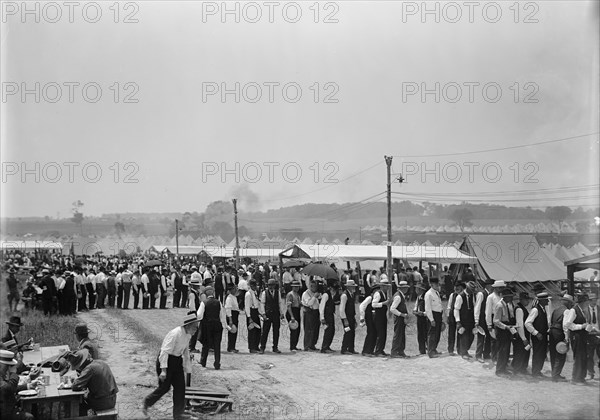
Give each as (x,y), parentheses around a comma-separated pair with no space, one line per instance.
(537,325)
(145,285)
(521,343)
(558,333)
(464,314)
(348,317)
(576,322)
(232,311)
(490,305)
(380,303)
(593,338)
(287,279)
(252,305)
(310,303)
(433,311)
(127,280)
(484,341)
(400,312)
(172,362)
(90,285)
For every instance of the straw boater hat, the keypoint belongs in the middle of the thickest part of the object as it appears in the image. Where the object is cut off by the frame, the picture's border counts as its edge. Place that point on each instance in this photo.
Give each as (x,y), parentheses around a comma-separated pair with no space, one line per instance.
(7,358)
(542,295)
(189,319)
(567,297)
(403,284)
(349,283)
(499,283)
(296,283)
(272,282)
(593,296)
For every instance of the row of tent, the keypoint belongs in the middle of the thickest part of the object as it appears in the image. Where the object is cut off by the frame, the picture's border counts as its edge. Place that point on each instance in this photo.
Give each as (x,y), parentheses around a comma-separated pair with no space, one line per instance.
(541,227)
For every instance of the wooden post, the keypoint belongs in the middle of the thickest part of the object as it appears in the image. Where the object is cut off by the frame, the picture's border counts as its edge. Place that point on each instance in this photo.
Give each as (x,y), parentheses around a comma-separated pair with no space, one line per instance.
(237,239)
(390,271)
(177,237)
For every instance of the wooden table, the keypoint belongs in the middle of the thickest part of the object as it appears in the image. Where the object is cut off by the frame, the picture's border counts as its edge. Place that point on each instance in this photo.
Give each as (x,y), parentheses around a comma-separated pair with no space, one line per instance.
(50,403)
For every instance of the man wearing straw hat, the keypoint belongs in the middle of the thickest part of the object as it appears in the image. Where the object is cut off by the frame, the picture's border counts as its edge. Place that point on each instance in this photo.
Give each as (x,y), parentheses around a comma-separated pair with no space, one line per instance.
(576,322)
(293,304)
(272,311)
(9,386)
(490,307)
(212,315)
(433,311)
(400,312)
(593,346)
(557,334)
(537,325)
(504,321)
(484,342)
(251,305)
(464,314)
(348,316)
(422,322)
(172,362)
(232,311)
(380,303)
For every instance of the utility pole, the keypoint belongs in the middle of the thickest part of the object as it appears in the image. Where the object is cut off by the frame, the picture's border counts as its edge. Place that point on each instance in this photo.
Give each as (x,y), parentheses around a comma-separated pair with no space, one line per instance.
(177,237)
(390,271)
(237,239)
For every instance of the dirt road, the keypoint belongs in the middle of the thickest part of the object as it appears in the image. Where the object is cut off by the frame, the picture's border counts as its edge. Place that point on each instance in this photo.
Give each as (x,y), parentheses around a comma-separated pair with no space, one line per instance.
(319,386)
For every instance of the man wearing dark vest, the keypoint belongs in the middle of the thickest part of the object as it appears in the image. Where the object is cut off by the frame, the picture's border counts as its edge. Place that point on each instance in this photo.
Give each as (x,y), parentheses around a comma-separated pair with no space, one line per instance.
(293,302)
(251,307)
(327,316)
(521,342)
(422,323)
(272,312)
(310,305)
(537,325)
(504,322)
(153,287)
(577,325)
(366,319)
(194,305)
(484,343)
(557,335)
(593,347)
(458,289)
(232,311)
(400,312)
(380,303)
(212,315)
(464,313)
(348,316)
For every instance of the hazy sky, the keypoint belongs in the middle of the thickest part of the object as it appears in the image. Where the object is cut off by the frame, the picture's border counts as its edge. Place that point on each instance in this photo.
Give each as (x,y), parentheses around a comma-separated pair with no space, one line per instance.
(361,81)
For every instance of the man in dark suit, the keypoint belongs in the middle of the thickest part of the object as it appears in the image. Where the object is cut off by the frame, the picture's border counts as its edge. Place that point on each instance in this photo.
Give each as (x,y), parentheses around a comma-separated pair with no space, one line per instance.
(14,326)
(400,312)
(49,291)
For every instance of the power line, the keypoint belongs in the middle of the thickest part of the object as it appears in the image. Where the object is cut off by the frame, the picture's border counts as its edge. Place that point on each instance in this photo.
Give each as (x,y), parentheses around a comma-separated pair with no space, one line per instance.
(540,143)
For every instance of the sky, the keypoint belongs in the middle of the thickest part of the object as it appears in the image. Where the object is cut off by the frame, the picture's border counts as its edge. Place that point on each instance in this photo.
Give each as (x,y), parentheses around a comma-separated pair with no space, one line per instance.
(316,94)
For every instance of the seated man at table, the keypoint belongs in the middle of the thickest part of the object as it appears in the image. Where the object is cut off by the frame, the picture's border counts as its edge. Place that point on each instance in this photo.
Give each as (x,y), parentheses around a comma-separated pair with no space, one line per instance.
(82,331)
(11,346)
(97,378)
(9,386)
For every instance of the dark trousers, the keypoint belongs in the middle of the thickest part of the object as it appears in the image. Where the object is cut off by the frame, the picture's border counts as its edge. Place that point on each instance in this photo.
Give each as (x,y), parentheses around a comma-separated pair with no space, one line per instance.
(176,297)
(433,335)
(194,339)
(494,347)
(294,334)
(371,337)
(504,338)
(593,347)
(184,296)
(557,360)
(452,335)
(466,340)
(311,328)
(381,331)
(126,294)
(539,350)
(520,356)
(175,378)
(579,346)
(399,340)
(83,292)
(253,334)
(111,298)
(348,340)
(274,321)
(47,305)
(70,302)
(163,301)
(119,296)
(212,340)
(145,300)
(219,294)
(329,332)
(152,299)
(101,291)
(91,295)
(232,337)
(484,343)
(422,328)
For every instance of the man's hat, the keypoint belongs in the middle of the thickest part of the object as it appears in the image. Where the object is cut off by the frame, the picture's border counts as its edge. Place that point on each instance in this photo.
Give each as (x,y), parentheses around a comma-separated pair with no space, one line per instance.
(7,358)
(208,290)
(350,283)
(296,283)
(402,284)
(15,320)
(434,280)
(384,281)
(567,297)
(189,319)
(77,358)
(253,282)
(542,295)
(584,297)
(472,285)
(421,286)
(499,283)
(81,329)
(593,296)
(230,286)
(11,270)
(272,282)
(507,292)
(195,282)
(524,295)
(489,281)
